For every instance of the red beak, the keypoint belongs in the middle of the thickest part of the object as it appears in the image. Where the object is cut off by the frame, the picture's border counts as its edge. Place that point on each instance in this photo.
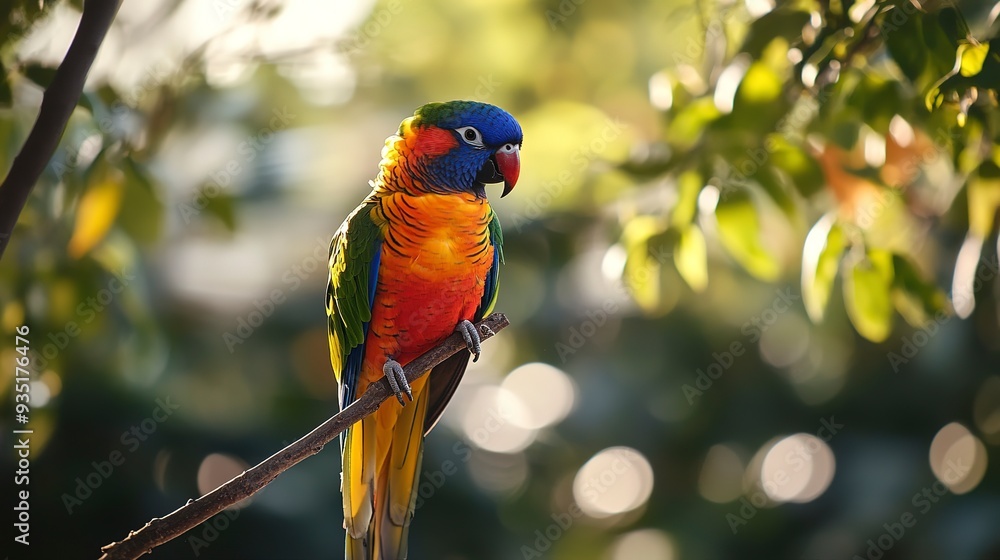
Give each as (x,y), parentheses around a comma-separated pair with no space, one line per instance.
(509,161)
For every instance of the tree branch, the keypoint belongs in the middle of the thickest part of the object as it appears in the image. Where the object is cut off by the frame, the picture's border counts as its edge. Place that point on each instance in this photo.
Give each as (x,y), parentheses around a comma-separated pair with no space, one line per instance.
(162,529)
(57,105)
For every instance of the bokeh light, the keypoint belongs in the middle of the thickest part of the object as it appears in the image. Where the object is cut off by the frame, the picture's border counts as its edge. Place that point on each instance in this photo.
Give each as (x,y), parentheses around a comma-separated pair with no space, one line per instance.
(498,473)
(798,468)
(721,477)
(958,458)
(218,468)
(644,544)
(546,392)
(614,481)
(494,418)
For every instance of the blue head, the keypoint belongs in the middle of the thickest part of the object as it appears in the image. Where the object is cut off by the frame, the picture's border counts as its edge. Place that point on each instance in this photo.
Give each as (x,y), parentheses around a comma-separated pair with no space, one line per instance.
(462,145)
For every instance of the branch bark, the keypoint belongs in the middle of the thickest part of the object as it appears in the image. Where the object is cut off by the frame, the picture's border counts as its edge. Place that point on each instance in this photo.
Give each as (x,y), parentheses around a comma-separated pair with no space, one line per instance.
(163,529)
(57,105)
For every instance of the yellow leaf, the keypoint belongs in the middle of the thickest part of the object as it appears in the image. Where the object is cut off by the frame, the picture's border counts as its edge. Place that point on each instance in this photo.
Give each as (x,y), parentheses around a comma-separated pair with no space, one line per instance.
(984,198)
(691,258)
(95,213)
(642,272)
(972,57)
(689,185)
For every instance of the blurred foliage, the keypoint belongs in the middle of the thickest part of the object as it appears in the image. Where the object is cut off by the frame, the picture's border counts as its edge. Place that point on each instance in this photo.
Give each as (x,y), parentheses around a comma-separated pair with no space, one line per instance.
(744,186)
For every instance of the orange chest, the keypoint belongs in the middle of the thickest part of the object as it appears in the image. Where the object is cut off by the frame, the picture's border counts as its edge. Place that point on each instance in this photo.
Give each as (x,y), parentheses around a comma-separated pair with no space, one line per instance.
(436,255)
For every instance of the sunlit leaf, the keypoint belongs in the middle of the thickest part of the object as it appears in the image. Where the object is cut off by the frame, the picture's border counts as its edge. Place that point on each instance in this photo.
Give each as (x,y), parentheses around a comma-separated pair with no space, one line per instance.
(867,283)
(739,231)
(761,85)
(916,299)
(642,271)
(95,213)
(820,262)
(983,192)
(691,258)
(972,58)
(689,185)
(690,122)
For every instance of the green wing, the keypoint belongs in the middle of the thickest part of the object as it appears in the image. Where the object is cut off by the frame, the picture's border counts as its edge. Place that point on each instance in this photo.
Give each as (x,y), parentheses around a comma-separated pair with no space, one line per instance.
(355,252)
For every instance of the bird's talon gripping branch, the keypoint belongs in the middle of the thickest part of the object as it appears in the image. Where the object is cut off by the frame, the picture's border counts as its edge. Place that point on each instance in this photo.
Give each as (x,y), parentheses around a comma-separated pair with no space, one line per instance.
(397,380)
(472,339)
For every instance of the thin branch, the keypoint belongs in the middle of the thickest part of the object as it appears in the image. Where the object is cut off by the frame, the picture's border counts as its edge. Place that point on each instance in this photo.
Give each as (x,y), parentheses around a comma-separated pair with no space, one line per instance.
(162,529)
(57,105)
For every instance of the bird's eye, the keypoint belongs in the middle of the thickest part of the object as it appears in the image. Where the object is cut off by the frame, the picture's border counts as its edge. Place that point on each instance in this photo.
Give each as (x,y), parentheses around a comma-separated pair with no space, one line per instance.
(470,135)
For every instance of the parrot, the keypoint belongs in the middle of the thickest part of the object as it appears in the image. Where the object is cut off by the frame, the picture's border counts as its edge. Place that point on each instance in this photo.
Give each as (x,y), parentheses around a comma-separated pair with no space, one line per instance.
(417,260)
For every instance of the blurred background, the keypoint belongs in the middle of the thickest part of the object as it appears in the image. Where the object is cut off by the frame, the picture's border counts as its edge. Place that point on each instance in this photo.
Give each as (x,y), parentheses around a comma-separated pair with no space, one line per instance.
(751,267)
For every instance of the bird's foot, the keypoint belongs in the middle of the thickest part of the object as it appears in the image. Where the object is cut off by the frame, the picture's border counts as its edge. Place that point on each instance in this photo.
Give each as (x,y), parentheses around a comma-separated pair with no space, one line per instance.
(471,336)
(397,380)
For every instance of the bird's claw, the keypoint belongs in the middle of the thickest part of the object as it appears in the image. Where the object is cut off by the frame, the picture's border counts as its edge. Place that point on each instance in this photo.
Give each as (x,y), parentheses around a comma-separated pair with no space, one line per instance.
(472,340)
(397,380)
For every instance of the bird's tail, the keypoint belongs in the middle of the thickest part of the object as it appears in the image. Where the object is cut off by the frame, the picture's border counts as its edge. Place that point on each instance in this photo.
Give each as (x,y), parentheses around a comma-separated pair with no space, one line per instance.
(378,529)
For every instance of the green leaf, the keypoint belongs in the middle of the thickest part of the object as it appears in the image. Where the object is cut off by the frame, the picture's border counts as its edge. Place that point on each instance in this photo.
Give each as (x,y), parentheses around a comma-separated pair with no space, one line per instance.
(821,254)
(772,183)
(691,258)
(642,272)
(983,192)
(903,42)
(803,171)
(877,100)
(739,231)
(687,127)
(866,295)
(6,96)
(689,185)
(222,207)
(917,300)
(780,22)
(39,74)
(142,210)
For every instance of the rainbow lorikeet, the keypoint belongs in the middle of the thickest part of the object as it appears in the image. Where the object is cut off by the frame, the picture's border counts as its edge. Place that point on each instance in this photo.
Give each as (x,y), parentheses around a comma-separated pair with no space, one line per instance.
(415,262)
